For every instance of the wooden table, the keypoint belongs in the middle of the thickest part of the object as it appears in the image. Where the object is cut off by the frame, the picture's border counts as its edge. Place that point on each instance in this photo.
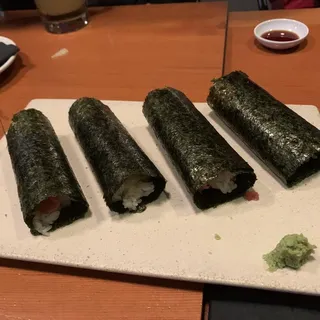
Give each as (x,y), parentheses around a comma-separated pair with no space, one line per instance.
(122,54)
(293,76)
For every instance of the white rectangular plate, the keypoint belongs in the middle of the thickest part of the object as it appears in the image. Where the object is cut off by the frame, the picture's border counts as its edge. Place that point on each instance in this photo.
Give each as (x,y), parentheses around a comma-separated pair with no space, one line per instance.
(171,239)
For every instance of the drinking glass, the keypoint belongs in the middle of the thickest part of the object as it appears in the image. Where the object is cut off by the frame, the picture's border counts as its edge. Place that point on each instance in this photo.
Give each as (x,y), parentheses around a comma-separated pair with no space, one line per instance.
(61,16)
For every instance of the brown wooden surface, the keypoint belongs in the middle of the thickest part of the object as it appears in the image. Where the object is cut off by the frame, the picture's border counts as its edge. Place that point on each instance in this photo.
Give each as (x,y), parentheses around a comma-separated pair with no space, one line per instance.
(292,77)
(39,292)
(122,54)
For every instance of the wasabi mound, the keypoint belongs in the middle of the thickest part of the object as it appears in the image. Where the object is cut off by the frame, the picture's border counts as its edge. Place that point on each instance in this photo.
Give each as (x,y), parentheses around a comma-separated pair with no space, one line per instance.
(293,251)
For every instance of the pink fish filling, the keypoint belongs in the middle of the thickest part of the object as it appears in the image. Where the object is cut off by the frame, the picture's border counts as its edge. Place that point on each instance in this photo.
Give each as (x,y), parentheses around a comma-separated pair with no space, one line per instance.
(48,212)
(49,205)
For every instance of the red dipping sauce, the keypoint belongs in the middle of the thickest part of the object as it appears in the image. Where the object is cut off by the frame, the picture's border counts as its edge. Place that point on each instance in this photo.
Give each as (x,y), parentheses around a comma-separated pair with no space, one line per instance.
(280,35)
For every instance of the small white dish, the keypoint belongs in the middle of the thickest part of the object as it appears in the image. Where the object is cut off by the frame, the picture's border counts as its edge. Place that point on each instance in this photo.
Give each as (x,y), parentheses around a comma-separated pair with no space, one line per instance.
(9,62)
(288,25)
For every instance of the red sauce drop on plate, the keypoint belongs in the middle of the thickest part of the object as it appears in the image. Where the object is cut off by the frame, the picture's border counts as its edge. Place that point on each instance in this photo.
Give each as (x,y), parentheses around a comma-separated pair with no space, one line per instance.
(280,35)
(251,195)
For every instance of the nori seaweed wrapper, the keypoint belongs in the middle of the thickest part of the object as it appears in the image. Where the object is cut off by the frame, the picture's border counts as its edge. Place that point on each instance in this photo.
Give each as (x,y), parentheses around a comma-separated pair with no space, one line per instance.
(113,154)
(286,142)
(196,149)
(42,169)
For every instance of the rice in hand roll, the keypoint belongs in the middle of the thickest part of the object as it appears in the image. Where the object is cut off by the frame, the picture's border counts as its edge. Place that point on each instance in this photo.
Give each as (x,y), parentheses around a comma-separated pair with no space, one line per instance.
(213,172)
(49,193)
(288,144)
(127,177)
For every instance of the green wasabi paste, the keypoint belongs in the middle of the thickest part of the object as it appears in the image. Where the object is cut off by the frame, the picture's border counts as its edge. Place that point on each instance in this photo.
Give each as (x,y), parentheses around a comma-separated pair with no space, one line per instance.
(217,237)
(293,251)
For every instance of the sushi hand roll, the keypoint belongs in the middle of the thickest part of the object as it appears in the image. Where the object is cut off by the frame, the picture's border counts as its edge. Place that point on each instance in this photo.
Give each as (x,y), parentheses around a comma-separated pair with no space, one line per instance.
(127,177)
(49,193)
(287,143)
(213,172)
